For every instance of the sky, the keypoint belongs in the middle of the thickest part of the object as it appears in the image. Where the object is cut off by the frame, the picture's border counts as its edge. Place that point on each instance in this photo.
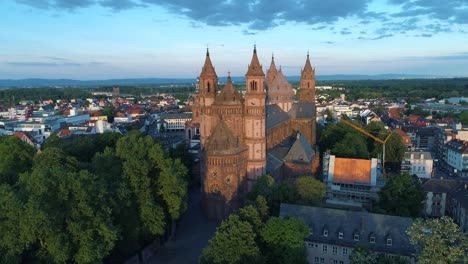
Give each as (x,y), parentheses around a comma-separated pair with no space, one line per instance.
(107,39)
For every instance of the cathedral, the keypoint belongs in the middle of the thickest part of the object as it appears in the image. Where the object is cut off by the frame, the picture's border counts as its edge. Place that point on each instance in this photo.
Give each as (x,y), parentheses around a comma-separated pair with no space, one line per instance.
(246,135)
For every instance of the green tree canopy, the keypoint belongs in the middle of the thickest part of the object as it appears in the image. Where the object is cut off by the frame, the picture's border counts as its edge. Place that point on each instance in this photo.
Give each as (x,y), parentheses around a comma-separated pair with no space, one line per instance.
(284,240)
(234,242)
(15,157)
(310,190)
(439,241)
(62,212)
(361,255)
(402,195)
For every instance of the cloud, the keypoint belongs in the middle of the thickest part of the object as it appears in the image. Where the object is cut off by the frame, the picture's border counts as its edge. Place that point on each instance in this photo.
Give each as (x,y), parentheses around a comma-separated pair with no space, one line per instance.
(376,38)
(459,56)
(50,64)
(424,35)
(256,15)
(329,42)
(55,58)
(424,16)
(345,32)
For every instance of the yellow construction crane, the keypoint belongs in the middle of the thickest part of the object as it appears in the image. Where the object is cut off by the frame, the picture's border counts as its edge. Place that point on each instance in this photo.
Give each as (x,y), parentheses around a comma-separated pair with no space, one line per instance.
(383,142)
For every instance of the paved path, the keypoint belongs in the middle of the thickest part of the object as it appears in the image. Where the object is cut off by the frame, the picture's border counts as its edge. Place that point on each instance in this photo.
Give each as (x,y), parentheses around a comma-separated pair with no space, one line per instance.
(193,232)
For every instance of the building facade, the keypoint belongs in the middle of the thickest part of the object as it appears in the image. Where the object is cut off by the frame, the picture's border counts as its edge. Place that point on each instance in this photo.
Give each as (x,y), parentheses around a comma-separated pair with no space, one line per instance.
(237,131)
(334,233)
(418,163)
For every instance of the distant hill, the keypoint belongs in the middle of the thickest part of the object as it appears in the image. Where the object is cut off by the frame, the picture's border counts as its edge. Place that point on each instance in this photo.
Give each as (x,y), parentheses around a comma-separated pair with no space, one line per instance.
(166,81)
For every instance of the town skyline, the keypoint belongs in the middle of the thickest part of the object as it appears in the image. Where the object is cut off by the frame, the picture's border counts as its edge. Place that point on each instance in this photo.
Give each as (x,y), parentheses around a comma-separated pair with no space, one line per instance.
(89,40)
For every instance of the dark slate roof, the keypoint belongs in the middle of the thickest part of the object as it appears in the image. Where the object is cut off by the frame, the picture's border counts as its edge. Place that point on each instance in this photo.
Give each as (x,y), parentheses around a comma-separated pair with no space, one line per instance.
(302,110)
(352,222)
(426,131)
(441,186)
(301,151)
(275,116)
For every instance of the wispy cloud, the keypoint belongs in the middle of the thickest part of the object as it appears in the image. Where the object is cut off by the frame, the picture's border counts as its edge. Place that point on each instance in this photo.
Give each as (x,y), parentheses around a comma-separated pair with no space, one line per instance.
(50,64)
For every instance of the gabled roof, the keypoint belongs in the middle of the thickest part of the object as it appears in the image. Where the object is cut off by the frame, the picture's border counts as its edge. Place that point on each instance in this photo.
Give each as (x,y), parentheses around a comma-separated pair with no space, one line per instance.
(352,171)
(275,116)
(301,151)
(302,110)
(255,69)
(441,185)
(350,223)
(280,87)
(223,141)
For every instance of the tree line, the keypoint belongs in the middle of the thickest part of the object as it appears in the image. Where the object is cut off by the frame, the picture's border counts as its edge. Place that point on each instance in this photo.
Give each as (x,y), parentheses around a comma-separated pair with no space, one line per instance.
(72,204)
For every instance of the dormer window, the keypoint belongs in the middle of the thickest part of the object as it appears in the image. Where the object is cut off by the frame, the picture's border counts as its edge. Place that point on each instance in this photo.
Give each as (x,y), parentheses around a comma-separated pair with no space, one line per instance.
(389,242)
(356,237)
(340,235)
(372,239)
(325,233)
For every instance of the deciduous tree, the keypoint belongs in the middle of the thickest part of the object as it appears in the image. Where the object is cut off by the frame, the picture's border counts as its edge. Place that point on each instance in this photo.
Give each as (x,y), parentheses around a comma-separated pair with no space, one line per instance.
(402,195)
(284,240)
(234,242)
(439,241)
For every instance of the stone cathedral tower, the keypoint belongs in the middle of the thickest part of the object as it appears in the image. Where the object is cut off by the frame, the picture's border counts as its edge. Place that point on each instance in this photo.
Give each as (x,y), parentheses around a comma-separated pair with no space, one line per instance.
(234,130)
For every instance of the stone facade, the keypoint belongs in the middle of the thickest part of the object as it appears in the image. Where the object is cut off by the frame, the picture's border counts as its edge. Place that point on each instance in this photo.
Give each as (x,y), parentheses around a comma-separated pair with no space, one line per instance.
(237,130)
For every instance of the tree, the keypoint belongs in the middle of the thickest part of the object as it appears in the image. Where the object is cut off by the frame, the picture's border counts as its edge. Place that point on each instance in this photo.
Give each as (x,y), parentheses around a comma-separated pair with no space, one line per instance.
(15,157)
(351,146)
(284,240)
(361,255)
(109,112)
(234,242)
(53,142)
(263,186)
(402,195)
(310,190)
(463,117)
(439,241)
(67,217)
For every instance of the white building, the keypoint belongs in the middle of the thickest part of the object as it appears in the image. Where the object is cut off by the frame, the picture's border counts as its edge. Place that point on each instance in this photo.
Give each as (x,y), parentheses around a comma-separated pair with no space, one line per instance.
(174,121)
(418,163)
(457,156)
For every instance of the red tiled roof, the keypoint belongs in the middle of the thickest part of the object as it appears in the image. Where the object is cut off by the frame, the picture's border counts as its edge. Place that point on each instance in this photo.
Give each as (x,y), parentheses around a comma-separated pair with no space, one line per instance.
(352,170)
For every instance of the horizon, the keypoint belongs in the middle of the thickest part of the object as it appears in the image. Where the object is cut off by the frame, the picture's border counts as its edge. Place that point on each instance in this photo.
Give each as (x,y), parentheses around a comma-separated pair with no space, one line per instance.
(134,39)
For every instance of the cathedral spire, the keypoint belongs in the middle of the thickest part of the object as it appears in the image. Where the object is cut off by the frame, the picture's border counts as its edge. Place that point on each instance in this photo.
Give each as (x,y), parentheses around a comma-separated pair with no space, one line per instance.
(255,69)
(208,69)
(308,67)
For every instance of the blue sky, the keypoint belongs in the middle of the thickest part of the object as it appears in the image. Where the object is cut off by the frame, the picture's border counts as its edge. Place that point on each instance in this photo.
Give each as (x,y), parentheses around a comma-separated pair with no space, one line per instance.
(102,39)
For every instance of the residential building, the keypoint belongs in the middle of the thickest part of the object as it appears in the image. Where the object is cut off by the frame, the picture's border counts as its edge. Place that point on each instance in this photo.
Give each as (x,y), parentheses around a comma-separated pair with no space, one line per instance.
(438,196)
(418,163)
(175,122)
(457,156)
(334,233)
(460,206)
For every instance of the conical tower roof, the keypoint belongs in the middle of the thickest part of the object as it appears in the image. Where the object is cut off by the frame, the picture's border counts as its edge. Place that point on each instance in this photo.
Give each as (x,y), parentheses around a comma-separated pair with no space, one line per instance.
(229,95)
(307,71)
(208,69)
(223,141)
(272,71)
(255,69)
(280,86)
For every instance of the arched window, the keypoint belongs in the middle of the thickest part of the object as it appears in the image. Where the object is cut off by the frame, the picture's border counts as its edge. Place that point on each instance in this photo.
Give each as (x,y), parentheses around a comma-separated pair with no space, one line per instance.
(308,85)
(253,86)
(208,87)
